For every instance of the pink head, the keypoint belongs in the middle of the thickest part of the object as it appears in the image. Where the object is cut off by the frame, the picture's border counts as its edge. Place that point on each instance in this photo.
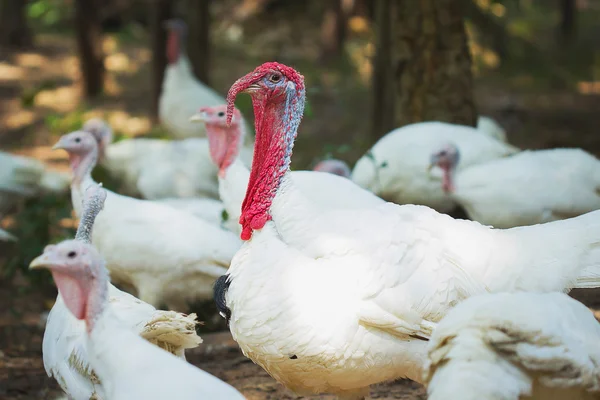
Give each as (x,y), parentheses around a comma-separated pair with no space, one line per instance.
(224,140)
(332,166)
(447,158)
(77,268)
(83,152)
(80,275)
(177,31)
(101,132)
(278,97)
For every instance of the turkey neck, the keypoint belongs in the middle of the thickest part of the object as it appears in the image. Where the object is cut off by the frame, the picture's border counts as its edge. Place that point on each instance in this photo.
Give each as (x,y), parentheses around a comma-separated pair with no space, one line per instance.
(224,145)
(175,46)
(82,177)
(448,179)
(97,300)
(86,222)
(276,121)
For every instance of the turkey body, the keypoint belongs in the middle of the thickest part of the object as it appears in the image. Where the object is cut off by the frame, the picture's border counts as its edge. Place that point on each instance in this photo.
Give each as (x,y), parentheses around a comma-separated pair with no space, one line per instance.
(181,96)
(529,188)
(156,169)
(511,346)
(166,254)
(65,353)
(24,177)
(132,368)
(388,290)
(396,166)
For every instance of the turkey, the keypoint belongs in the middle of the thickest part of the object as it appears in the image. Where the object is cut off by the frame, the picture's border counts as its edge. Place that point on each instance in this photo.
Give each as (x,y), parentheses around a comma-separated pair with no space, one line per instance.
(157,169)
(527,188)
(182,93)
(395,168)
(490,127)
(65,355)
(326,189)
(511,346)
(333,166)
(335,300)
(22,177)
(102,353)
(166,254)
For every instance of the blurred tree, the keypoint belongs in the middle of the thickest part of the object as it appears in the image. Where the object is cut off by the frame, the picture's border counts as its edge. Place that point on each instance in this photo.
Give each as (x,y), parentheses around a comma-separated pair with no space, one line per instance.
(198,43)
(383,75)
(89,42)
(14,30)
(422,70)
(333,28)
(567,19)
(160,11)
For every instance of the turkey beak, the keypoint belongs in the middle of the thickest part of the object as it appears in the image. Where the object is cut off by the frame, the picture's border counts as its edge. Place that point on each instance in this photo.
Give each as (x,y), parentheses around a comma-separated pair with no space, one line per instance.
(252,88)
(43,261)
(58,145)
(199,117)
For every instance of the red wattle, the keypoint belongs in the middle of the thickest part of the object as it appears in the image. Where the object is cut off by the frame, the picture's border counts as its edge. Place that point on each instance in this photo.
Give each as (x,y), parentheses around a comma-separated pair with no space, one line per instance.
(447,185)
(74,161)
(217,143)
(72,294)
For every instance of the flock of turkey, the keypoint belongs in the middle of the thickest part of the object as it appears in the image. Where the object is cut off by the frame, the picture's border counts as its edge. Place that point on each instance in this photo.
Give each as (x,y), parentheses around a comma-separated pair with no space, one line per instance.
(331,288)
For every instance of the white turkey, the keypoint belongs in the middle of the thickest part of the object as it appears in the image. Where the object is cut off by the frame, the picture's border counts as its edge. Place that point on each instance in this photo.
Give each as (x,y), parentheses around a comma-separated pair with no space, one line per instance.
(337,300)
(511,346)
(157,169)
(326,189)
(65,355)
(395,168)
(527,188)
(103,334)
(166,254)
(490,127)
(22,177)
(182,93)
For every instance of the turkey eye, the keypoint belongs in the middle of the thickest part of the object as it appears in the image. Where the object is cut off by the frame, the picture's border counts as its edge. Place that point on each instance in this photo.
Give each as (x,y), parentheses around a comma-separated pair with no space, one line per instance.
(275,78)
(221,114)
(71,254)
(77,140)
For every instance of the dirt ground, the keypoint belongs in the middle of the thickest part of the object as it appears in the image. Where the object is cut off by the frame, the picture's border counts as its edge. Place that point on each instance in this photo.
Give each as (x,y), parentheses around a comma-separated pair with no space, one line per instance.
(533,120)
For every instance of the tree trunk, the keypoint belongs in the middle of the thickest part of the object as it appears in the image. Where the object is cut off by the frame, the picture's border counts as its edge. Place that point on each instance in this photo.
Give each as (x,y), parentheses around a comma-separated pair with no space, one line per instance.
(567,20)
(383,76)
(89,42)
(160,11)
(198,43)
(14,31)
(432,63)
(333,30)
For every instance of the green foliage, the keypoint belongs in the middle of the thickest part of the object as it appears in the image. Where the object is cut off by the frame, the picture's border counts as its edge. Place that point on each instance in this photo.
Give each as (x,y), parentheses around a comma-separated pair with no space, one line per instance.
(37,225)
(49,15)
